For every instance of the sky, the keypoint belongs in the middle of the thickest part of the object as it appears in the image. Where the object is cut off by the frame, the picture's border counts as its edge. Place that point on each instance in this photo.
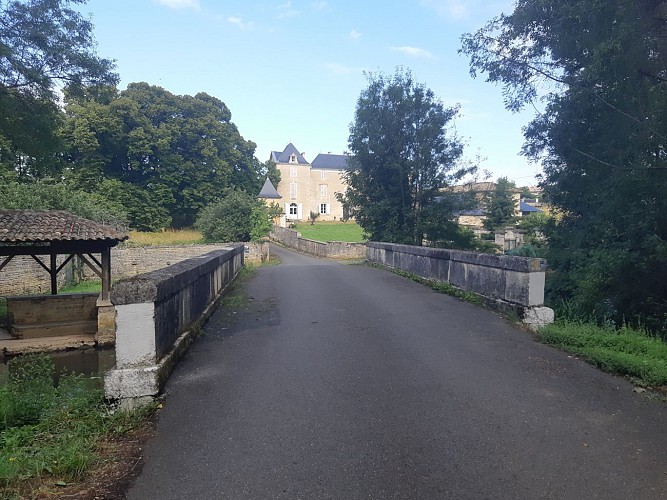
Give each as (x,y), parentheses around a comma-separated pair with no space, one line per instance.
(292,70)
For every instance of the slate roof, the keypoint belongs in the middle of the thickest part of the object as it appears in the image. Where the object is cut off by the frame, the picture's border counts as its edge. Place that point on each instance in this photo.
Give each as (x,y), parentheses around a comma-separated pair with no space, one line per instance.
(268,191)
(283,157)
(525,207)
(337,162)
(40,226)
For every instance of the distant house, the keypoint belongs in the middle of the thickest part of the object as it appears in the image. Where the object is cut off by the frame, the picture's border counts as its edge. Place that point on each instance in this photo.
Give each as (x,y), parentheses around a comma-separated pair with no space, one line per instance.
(310,187)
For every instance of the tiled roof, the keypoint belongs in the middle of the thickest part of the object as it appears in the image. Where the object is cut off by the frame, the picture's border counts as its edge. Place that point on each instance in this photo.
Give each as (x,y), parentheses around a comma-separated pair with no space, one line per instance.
(269,191)
(337,162)
(38,226)
(284,157)
(525,207)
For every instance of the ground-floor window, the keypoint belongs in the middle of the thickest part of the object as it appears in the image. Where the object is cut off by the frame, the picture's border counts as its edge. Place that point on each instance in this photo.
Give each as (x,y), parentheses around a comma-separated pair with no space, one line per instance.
(324,208)
(293,209)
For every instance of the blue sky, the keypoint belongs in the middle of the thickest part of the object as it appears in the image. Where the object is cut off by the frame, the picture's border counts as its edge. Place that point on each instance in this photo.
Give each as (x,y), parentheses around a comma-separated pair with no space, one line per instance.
(291,71)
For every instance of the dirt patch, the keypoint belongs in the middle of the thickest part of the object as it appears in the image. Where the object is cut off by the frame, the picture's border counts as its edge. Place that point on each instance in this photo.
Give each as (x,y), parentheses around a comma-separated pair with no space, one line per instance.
(122,459)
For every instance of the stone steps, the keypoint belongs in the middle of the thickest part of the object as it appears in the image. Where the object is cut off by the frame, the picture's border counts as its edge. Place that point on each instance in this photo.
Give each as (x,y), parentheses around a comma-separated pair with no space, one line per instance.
(62,328)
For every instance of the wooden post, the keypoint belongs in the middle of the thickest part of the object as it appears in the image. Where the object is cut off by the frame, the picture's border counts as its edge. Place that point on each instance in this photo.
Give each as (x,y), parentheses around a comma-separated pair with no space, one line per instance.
(106,273)
(54,274)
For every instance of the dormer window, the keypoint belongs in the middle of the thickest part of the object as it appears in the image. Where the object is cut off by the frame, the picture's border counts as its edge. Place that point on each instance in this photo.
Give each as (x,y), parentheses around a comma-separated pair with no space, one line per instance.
(292,158)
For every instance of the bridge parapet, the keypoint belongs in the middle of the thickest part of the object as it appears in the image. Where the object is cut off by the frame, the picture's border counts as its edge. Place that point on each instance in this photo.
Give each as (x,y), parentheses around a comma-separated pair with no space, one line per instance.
(505,281)
(157,315)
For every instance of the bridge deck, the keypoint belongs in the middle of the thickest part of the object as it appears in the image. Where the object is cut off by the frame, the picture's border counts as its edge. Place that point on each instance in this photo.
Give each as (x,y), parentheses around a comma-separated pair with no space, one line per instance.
(345,381)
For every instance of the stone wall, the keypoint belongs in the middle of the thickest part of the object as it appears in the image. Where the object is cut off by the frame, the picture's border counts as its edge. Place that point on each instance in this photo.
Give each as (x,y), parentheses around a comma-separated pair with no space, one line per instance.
(508,282)
(24,276)
(158,314)
(330,250)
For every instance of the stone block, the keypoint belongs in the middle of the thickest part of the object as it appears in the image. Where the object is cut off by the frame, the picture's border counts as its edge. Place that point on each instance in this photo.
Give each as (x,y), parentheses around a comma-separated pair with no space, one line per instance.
(536,317)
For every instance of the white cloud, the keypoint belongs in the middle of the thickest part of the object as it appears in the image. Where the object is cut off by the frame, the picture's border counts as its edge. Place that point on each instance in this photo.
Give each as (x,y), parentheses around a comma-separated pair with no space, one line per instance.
(322,5)
(413,51)
(180,4)
(355,35)
(285,10)
(239,23)
(341,69)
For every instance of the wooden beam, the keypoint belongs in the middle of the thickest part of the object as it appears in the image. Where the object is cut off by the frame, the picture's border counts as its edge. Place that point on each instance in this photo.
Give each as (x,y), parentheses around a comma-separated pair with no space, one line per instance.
(46,268)
(54,274)
(60,267)
(6,261)
(106,274)
(90,265)
(94,259)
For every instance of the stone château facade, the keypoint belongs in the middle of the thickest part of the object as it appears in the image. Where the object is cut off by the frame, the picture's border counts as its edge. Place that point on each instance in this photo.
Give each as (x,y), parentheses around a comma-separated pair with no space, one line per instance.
(310,187)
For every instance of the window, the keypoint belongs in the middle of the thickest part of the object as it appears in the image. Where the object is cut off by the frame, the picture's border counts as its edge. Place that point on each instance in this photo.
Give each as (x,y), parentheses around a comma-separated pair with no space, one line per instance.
(292,171)
(323,175)
(324,190)
(324,208)
(293,190)
(292,158)
(293,210)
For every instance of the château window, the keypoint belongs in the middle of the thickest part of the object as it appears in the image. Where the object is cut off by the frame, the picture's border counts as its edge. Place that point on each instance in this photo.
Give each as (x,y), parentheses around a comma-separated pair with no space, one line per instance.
(293,209)
(323,175)
(292,171)
(293,190)
(324,208)
(324,190)
(292,158)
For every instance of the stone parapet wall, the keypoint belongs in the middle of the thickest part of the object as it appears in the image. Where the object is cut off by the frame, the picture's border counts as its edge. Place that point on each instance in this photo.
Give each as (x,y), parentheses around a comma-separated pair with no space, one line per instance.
(158,313)
(330,250)
(24,276)
(513,282)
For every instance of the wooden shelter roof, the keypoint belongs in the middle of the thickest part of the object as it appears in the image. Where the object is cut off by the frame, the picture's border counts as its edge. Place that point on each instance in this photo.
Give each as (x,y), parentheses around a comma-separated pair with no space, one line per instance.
(44,226)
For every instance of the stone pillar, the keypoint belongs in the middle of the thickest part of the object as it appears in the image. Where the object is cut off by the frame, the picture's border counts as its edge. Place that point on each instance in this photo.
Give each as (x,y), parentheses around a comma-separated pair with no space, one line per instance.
(106,323)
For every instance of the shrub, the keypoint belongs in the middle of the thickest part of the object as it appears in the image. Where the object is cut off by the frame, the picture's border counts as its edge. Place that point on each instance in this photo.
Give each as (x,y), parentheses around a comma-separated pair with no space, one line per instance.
(237,216)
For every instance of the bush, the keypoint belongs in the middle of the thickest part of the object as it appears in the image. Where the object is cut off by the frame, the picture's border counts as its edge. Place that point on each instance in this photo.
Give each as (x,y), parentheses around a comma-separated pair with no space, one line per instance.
(238,216)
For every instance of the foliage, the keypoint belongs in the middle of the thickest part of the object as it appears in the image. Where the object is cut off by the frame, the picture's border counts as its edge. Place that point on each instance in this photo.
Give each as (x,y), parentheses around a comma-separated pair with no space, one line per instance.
(401,157)
(500,205)
(623,351)
(526,250)
(313,216)
(349,232)
(601,141)
(43,44)
(237,216)
(168,237)
(49,195)
(143,208)
(174,153)
(47,429)
(82,287)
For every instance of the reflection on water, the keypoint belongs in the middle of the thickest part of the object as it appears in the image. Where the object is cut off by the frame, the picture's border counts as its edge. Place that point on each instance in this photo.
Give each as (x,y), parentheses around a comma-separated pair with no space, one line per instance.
(88,362)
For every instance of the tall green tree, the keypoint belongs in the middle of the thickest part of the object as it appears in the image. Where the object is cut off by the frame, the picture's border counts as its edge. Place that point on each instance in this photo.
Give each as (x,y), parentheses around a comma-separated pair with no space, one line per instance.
(500,205)
(44,45)
(401,157)
(181,151)
(601,141)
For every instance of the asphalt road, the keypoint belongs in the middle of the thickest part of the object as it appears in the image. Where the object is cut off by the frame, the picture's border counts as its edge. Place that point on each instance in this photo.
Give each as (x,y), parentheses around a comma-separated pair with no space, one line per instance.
(345,381)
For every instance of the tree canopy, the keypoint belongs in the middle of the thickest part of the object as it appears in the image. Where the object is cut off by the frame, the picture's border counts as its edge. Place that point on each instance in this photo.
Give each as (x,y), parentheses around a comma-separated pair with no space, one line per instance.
(601,68)
(172,154)
(45,46)
(500,205)
(401,158)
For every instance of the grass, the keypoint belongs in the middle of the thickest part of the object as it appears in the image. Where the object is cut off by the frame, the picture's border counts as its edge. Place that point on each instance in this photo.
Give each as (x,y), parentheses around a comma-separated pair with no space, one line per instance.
(623,351)
(82,287)
(53,434)
(332,231)
(167,237)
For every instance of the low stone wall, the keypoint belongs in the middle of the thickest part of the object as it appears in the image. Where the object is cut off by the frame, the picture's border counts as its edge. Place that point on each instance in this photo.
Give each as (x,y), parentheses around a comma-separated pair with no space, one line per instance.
(24,276)
(511,282)
(330,250)
(158,314)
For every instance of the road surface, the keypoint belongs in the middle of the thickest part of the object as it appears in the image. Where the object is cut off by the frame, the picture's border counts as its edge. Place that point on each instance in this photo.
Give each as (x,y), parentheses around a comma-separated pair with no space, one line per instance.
(346,381)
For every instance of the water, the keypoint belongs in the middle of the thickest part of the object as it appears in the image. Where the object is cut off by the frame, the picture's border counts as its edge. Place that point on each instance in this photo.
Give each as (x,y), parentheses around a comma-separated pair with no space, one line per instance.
(87,362)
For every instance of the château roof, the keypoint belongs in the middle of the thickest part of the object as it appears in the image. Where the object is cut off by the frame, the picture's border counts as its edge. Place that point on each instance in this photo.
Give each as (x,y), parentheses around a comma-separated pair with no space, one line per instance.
(269,191)
(40,226)
(331,161)
(284,157)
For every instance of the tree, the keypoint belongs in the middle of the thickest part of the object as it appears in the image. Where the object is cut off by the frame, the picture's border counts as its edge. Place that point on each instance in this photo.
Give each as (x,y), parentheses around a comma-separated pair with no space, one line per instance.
(401,157)
(183,150)
(237,216)
(601,141)
(500,209)
(44,45)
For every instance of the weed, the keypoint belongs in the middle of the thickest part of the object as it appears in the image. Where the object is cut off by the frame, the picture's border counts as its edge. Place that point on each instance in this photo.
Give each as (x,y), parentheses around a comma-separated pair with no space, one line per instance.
(53,430)
(623,351)
(168,237)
